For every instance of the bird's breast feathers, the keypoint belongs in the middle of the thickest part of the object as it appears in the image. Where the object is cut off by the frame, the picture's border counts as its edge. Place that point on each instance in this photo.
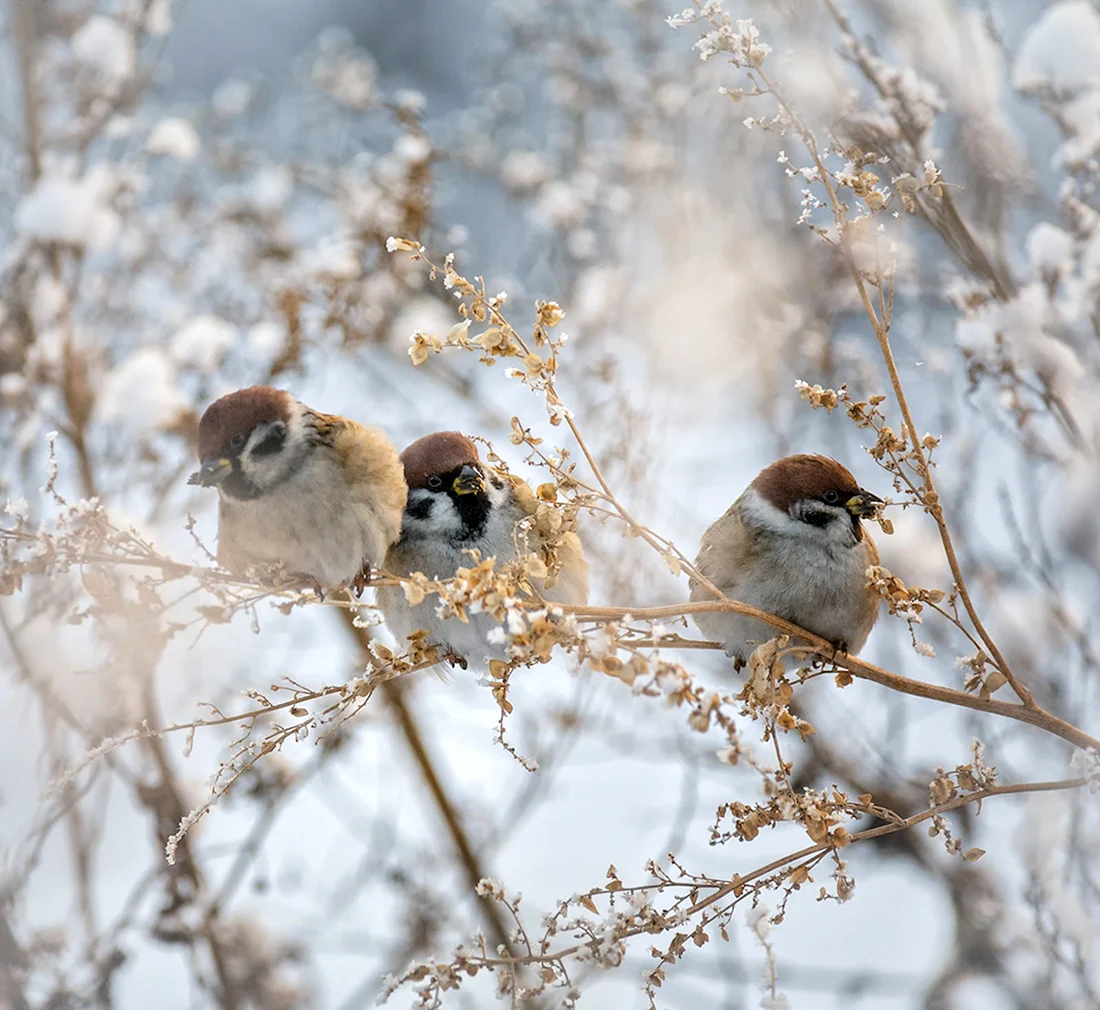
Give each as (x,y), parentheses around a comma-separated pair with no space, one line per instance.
(342,507)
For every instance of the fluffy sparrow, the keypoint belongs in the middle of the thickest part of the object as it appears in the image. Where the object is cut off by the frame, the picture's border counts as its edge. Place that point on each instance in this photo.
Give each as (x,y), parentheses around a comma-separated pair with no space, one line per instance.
(456,504)
(792,545)
(316,493)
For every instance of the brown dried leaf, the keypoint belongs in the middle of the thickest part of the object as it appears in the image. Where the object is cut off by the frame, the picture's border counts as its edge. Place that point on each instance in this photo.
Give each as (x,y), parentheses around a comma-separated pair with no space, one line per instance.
(994,682)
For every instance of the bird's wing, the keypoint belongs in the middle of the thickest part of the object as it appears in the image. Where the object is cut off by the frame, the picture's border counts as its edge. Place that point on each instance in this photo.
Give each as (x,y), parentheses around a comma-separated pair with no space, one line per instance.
(872,550)
(373,468)
(570,583)
(725,553)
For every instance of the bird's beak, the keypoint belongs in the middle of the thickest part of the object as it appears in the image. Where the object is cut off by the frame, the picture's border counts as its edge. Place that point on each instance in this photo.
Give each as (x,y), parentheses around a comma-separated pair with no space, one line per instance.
(468,481)
(213,471)
(863,504)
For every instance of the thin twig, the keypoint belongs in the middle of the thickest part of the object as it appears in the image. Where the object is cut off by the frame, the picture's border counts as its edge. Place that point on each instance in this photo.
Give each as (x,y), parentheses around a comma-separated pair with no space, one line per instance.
(467,855)
(931,498)
(740,880)
(1033,714)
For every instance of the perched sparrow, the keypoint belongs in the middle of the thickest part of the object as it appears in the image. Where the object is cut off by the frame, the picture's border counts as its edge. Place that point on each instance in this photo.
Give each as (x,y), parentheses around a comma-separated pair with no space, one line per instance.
(792,545)
(317,493)
(457,504)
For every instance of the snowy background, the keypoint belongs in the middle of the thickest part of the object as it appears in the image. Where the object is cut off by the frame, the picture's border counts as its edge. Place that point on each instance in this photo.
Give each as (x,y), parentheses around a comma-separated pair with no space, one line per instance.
(197,196)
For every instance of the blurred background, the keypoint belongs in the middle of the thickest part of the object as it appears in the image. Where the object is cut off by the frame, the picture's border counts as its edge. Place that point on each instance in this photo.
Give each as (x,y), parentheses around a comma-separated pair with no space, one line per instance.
(196,196)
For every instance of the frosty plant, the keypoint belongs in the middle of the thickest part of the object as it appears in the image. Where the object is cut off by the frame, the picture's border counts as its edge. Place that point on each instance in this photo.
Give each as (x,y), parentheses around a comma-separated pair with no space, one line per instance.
(626,643)
(78,558)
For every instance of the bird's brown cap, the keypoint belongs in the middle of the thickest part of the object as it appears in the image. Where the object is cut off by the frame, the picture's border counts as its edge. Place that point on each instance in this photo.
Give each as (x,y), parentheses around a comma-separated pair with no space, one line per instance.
(441,452)
(238,413)
(792,478)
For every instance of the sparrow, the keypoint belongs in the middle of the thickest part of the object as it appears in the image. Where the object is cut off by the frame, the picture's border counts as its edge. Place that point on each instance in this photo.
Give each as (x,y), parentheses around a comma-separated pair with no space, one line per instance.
(457,504)
(317,493)
(792,545)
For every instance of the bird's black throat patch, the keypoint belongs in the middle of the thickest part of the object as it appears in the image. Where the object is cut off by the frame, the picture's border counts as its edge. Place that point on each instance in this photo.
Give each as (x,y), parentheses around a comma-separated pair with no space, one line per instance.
(474,512)
(237,485)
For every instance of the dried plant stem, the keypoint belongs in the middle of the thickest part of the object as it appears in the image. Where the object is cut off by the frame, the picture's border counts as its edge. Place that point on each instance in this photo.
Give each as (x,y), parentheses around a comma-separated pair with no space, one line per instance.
(636,527)
(25,33)
(394,693)
(80,844)
(957,235)
(739,881)
(931,498)
(164,801)
(1031,714)
(13,962)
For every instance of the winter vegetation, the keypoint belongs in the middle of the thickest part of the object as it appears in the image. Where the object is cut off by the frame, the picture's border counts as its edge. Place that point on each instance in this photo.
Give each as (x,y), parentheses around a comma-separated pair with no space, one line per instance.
(639,255)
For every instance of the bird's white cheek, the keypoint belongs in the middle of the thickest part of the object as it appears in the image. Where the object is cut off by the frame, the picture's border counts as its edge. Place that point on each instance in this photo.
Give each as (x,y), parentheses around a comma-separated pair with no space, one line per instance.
(264,472)
(441,523)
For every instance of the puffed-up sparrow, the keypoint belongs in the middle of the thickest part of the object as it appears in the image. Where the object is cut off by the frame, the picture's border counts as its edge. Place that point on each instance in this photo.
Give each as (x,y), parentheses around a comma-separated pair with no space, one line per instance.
(457,504)
(794,546)
(319,494)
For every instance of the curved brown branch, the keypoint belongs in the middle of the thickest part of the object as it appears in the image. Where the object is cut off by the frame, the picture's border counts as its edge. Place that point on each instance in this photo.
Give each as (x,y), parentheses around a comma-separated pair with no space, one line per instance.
(1031,714)
(467,856)
(931,499)
(739,881)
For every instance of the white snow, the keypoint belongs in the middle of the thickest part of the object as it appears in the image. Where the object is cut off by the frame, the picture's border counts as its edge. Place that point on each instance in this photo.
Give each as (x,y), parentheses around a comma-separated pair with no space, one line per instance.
(1050,249)
(232,97)
(103,45)
(423,313)
(202,342)
(158,18)
(524,170)
(49,300)
(265,339)
(561,206)
(140,394)
(174,137)
(119,127)
(1082,119)
(1022,326)
(12,386)
(412,149)
(73,211)
(408,100)
(368,206)
(335,256)
(1060,50)
(1090,262)
(270,188)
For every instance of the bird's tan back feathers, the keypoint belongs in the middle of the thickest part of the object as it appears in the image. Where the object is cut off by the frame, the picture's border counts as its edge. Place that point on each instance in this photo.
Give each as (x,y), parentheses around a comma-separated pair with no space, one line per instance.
(724,551)
(569,584)
(370,460)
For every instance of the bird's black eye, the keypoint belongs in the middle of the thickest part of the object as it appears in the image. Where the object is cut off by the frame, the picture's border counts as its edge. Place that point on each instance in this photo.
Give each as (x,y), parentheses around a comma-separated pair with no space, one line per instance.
(435,482)
(830,497)
(237,441)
